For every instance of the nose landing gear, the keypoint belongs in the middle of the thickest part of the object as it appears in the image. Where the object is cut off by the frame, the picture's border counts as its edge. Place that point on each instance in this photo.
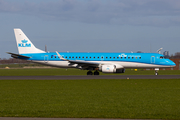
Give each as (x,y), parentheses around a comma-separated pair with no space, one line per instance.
(156,71)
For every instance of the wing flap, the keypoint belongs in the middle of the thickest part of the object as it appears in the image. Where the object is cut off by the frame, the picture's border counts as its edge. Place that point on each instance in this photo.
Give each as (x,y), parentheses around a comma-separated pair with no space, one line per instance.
(82,62)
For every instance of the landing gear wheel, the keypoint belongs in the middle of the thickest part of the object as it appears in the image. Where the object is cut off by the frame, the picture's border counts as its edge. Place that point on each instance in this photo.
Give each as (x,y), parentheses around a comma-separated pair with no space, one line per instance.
(89,73)
(96,73)
(156,73)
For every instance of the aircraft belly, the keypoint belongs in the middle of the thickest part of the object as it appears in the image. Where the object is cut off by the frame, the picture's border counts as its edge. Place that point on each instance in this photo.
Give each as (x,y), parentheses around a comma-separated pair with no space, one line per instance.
(141,65)
(66,64)
(63,64)
(134,64)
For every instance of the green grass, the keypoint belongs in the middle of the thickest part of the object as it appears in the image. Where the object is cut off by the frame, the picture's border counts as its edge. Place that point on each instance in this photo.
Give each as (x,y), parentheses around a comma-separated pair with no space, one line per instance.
(136,99)
(59,71)
(20,65)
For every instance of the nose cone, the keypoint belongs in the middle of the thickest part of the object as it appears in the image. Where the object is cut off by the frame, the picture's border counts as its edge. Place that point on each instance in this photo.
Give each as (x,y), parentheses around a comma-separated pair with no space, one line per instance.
(171,63)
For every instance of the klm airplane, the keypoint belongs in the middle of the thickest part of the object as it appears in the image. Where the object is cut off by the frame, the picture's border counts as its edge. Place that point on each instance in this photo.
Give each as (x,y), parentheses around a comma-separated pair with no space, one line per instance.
(97,62)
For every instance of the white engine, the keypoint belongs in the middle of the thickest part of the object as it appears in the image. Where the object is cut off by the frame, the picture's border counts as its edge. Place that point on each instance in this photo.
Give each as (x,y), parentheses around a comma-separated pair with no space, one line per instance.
(112,69)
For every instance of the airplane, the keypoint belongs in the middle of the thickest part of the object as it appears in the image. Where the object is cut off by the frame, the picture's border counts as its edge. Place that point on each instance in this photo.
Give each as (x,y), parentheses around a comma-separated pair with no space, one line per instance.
(97,62)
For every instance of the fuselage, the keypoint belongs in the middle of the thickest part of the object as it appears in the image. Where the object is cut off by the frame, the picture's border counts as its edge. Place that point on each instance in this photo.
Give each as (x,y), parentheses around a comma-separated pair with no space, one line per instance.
(127,60)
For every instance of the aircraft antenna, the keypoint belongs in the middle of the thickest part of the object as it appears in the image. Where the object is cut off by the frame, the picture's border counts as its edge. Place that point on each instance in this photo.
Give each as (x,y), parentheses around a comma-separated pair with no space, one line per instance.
(45,48)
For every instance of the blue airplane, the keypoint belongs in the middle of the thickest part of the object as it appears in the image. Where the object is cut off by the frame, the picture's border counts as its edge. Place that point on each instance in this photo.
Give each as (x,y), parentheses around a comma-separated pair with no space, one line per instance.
(103,62)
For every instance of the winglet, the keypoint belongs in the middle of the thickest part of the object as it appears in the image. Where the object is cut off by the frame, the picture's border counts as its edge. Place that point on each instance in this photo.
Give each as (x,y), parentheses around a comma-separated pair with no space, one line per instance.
(61,56)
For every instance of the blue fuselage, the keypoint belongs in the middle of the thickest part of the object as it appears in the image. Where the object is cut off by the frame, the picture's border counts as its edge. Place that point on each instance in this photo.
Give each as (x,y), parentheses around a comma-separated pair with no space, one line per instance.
(153,59)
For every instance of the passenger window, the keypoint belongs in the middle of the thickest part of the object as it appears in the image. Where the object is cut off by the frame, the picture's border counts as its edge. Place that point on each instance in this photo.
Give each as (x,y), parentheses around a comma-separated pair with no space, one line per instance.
(161,57)
(139,57)
(132,57)
(117,57)
(72,57)
(86,57)
(82,57)
(69,57)
(128,57)
(79,57)
(124,57)
(98,57)
(114,57)
(94,57)
(110,57)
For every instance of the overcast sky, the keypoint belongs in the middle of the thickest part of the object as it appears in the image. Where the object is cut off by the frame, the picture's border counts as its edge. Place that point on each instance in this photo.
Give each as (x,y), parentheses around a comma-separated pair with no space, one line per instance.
(92,25)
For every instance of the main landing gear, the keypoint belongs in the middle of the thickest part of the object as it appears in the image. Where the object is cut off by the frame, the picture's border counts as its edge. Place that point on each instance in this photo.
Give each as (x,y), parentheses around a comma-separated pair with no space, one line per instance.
(91,73)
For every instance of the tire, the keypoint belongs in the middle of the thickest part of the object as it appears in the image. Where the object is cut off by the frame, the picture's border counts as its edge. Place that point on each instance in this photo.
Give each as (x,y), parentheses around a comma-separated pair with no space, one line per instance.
(89,73)
(96,73)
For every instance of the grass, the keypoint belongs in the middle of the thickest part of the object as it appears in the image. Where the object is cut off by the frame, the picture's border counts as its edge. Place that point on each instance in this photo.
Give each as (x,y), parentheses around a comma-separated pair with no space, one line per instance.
(20,65)
(133,99)
(59,71)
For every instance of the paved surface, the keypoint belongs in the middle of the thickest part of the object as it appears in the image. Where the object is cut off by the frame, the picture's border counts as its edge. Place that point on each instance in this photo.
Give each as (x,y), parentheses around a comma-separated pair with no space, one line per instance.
(14,118)
(89,77)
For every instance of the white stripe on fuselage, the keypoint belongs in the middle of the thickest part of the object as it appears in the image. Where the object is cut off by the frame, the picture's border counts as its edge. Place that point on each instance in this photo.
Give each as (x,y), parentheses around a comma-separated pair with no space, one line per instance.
(66,64)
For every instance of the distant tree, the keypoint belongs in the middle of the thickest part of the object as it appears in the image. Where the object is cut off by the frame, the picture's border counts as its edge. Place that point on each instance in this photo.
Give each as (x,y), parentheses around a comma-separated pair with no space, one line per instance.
(12,61)
(177,55)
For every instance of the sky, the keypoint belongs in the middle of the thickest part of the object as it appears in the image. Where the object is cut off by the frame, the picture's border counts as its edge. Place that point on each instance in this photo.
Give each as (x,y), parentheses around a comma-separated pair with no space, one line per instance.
(92,25)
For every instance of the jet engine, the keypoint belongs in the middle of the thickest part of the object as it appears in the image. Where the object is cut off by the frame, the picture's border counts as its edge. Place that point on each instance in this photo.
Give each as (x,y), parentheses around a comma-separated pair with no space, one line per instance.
(112,69)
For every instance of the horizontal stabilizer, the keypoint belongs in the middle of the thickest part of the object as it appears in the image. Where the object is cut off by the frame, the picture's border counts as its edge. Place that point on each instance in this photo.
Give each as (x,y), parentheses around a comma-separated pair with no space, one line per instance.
(17,55)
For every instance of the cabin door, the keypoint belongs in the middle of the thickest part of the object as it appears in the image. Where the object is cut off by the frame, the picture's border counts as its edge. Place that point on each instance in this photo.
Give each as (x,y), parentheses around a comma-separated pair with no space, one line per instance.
(152,59)
(46,58)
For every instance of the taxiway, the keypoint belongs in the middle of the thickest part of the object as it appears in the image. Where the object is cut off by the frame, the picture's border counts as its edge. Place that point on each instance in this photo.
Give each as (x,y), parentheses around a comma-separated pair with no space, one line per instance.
(89,77)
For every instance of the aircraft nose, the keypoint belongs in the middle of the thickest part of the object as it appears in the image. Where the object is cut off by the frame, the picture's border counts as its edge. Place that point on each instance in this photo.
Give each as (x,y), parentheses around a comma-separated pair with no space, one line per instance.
(172,64)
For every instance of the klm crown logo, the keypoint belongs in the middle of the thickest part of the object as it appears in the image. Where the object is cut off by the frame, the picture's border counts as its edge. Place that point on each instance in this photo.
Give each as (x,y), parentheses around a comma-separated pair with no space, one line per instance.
(24,43)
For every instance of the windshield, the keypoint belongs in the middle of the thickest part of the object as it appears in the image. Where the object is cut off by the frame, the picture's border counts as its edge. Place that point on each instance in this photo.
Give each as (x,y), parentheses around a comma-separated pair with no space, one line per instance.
(161,57)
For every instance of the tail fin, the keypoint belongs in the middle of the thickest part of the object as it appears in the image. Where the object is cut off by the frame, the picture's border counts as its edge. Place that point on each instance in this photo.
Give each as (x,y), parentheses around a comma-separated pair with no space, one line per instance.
(24,44)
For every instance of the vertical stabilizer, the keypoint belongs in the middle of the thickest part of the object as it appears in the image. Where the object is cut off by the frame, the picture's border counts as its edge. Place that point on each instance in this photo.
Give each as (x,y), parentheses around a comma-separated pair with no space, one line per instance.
(24,44)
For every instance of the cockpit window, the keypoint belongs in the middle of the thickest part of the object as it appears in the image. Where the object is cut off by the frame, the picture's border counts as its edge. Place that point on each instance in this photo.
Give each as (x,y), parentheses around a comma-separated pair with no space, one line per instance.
(161,57)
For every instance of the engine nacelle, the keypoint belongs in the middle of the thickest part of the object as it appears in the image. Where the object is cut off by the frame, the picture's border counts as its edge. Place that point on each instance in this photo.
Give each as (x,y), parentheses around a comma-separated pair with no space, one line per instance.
(112,69)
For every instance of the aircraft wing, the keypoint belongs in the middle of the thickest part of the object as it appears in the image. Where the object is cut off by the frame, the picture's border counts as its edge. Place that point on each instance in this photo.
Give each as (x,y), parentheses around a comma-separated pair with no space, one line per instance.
(17,55)
(84,63)
(79,62)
